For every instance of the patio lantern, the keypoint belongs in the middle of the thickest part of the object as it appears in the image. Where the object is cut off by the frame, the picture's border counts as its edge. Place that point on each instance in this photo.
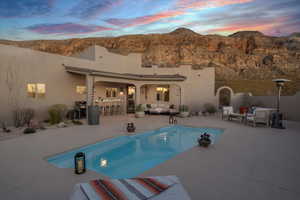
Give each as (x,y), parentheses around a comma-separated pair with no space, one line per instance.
(79,160)
(277,117)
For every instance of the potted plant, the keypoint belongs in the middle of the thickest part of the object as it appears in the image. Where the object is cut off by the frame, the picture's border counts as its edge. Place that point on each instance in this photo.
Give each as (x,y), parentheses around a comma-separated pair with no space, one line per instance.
(204,140)
(139,111)
(184,111)
(246,104)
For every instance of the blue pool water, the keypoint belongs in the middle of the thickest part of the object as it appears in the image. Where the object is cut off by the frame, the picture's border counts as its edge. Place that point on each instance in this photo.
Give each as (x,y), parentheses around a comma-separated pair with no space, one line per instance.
(129,156)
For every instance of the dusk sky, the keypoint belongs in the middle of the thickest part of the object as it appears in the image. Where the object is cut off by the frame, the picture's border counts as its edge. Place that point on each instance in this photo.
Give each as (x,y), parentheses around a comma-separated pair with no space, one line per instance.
(60,19)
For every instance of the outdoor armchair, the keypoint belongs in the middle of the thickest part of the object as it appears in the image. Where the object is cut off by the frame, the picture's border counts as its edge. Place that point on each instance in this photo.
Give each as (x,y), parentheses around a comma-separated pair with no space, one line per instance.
(258,116)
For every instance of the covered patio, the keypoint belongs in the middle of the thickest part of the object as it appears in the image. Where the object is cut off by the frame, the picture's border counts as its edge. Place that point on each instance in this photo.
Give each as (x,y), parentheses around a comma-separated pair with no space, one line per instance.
(118,93)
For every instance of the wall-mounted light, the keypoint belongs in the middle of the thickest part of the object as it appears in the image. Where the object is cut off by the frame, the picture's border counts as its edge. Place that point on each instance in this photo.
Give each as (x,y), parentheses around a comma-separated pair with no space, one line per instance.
(121,91)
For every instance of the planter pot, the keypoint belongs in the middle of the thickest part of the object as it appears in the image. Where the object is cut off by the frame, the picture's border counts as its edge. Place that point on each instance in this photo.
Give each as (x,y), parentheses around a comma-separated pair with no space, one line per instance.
(184,114)
(93,115)
(204,143)
(139,114)
(130,127)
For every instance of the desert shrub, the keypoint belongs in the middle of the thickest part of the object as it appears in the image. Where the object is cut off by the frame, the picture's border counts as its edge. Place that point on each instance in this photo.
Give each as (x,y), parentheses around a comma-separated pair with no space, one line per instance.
(22,116)
(28,115)
(139,108)
(4,128)
(57,113)
(29,130)
(210,108)
(183,108)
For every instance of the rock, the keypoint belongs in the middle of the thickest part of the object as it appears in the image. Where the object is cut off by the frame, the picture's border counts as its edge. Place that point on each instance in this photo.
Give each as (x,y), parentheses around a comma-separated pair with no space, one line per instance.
(62,125)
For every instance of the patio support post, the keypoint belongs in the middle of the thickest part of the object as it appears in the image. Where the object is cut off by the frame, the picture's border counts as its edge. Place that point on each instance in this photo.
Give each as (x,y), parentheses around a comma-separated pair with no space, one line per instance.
(89,92)
(137,94)
(181,100)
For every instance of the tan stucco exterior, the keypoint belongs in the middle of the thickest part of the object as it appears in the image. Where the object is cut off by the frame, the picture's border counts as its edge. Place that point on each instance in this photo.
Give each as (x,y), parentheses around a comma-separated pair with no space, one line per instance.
(25,66)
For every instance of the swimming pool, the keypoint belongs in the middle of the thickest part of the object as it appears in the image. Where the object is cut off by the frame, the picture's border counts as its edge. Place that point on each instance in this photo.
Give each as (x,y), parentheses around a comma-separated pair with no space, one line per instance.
(129,156)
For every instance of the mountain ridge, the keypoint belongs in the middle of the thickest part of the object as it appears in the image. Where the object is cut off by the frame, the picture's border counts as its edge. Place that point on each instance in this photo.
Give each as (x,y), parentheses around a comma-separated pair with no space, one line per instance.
(239,59)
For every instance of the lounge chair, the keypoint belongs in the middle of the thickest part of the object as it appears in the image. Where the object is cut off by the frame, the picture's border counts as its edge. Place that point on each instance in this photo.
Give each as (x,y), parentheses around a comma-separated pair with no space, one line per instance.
(227,111)
(258,116)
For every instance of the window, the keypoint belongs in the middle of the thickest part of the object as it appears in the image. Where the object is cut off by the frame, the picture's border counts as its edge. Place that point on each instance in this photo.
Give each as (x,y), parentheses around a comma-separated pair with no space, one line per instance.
(162,94)
(36,90)
(80,89)
(40,90)
(31,89)
(111,92)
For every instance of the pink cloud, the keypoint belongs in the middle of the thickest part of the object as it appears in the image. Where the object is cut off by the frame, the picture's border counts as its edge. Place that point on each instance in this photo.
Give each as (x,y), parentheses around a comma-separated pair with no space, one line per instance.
(144,19)
(181,8)
(66,28)
(267,26)
(195,4)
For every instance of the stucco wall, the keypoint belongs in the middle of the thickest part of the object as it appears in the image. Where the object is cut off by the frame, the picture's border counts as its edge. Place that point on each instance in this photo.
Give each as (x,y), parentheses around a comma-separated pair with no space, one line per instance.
(28,66)
(290,105)
(88,53)
(39,67)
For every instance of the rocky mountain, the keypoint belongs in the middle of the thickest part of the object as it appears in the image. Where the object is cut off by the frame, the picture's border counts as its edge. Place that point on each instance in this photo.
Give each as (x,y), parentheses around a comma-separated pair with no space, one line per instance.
(247,61)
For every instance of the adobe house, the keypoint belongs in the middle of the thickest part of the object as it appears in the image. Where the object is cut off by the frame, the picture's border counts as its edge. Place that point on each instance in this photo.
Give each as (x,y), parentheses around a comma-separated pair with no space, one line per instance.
(37,80)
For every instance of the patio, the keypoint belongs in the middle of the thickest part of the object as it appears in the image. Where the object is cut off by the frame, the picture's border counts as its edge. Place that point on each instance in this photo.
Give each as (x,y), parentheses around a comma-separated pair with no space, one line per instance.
(246,163)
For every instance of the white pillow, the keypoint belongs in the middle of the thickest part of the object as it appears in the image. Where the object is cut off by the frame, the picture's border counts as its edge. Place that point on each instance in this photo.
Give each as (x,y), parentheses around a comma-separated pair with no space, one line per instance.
(153,105)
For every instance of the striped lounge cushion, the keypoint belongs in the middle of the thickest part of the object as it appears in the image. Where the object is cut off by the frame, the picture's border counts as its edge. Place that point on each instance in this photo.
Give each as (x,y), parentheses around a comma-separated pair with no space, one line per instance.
(126,189)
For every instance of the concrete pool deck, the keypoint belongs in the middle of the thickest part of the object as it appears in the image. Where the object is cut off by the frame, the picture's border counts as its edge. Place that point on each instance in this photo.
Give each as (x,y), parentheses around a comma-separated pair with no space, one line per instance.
(245,163)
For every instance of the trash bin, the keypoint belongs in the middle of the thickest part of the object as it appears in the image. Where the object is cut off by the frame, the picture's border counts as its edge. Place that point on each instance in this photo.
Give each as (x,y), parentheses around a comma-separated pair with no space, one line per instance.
(93,115)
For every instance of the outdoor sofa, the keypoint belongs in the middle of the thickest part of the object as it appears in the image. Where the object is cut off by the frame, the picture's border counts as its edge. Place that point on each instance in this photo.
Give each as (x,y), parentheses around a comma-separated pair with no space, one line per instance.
(160,108)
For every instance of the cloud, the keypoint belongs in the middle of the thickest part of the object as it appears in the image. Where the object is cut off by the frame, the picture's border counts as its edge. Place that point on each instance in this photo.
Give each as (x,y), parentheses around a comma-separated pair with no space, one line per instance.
(143,19)
(196,4)
(24,8)
(268,26)
(66,28)
(87,9)
(180,9)
(269,17)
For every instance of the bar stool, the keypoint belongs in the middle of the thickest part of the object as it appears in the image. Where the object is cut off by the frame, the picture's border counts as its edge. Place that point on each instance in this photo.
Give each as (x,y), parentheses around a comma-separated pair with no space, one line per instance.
(112,108)
(106,110)
(101,110)
(118,110)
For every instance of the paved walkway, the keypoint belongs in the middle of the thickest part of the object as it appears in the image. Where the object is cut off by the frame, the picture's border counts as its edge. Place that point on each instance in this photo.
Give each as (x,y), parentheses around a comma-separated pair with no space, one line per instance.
(246,163)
